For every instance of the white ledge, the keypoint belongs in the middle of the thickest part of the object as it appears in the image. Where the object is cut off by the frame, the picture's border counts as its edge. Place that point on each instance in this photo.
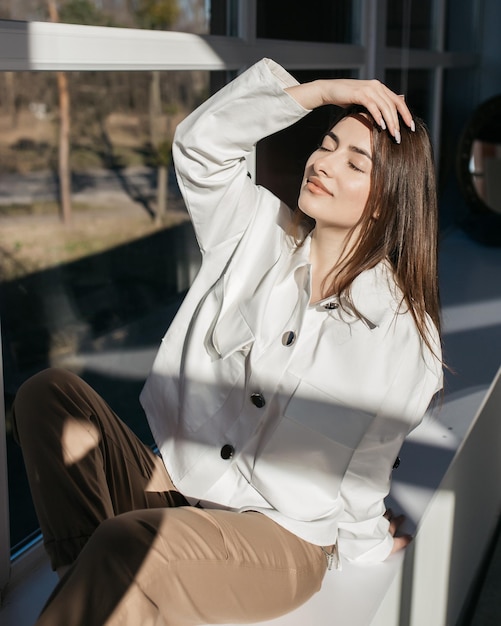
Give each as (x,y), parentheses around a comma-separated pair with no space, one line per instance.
(73,47)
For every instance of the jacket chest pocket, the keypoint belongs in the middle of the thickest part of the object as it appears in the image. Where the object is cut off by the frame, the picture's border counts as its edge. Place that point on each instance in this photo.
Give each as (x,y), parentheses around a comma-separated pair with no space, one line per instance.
(301,465)
(214,363)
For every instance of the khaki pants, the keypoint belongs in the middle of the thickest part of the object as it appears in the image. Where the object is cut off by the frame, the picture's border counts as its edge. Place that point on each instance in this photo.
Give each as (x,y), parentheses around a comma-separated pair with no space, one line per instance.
(141,555)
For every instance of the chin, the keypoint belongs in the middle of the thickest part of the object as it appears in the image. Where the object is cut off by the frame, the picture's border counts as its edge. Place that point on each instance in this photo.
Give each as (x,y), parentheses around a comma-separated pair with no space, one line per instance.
(307,209)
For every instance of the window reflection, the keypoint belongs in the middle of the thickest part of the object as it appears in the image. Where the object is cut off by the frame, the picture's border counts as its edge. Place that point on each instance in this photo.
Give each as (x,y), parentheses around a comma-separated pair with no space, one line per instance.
(180,15)
(95,295)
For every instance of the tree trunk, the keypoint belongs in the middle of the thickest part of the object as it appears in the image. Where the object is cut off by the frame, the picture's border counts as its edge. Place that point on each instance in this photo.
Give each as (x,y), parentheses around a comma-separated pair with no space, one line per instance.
(64,136)
(64,148)
(11,97)
(155,109)
(156,137)
(162,190)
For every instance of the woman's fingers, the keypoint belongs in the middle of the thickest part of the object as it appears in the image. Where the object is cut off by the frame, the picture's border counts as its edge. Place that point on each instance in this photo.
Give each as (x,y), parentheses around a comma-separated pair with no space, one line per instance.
(383,104)
(395,523)
(399,541)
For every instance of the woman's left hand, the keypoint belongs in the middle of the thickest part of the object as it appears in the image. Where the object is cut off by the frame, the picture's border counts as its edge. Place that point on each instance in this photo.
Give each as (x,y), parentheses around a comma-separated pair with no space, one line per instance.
(399,541)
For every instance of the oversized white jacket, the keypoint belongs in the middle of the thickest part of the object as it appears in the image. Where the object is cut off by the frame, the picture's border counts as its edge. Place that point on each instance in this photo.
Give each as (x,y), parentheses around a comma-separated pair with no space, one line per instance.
(256,399)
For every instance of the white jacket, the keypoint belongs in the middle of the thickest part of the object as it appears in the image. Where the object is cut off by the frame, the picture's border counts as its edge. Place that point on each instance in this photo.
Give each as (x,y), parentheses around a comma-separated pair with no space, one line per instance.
(256,399)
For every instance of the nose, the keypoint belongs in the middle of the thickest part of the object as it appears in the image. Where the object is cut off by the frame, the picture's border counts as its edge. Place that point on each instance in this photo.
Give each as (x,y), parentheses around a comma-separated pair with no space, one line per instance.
(325,163)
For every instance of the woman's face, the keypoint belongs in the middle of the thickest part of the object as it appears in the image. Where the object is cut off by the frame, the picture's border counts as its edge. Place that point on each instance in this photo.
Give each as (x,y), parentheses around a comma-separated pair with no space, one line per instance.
(337,175)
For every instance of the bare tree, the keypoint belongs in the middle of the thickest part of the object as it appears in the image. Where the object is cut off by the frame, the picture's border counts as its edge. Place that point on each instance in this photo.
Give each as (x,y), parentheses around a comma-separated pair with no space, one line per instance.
(158,14)
(64,134)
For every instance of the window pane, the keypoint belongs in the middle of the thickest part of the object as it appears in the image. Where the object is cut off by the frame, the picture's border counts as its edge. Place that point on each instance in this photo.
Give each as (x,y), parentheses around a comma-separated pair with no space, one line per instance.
(224,17)
(463,24)
(281,157)
(417,85)
(326,21)
(96,296)
(179,15)
(410,24)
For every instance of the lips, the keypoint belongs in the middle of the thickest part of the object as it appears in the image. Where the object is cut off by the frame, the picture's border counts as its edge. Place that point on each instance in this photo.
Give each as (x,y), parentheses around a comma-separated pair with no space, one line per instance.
(315,185)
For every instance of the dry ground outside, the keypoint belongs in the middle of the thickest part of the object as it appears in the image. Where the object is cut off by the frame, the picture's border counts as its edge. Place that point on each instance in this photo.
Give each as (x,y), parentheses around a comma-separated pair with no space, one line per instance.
(29,243)
(32,237)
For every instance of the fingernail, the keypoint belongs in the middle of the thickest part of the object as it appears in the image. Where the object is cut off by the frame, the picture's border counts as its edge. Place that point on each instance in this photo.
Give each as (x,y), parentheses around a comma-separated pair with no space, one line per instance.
(413,126)
(397,136)
(382,124)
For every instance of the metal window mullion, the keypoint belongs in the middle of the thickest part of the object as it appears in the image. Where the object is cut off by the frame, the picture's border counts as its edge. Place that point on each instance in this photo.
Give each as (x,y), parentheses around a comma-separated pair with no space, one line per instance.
(247,20)
(374,38)
(439,25)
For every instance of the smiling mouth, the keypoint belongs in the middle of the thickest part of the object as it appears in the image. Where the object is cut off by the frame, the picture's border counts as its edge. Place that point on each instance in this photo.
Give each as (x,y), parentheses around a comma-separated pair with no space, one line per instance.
(314,185)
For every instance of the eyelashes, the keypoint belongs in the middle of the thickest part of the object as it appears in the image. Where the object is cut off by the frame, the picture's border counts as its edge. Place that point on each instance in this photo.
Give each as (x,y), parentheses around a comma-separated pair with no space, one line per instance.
(354,167)
(351,165)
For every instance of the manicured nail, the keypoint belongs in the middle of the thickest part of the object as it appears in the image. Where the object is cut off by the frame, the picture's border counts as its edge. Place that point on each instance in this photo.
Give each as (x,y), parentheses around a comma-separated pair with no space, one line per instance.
(397,136)
(413,126)
(382,124)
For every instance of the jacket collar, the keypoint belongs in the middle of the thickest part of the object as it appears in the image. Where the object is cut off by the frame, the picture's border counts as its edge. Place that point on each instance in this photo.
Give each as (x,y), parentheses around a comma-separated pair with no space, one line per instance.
(374,293)
(371,296)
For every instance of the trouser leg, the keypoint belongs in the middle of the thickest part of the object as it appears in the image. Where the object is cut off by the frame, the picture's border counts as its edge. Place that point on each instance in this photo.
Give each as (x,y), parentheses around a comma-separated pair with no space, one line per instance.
(185,566)
(84,465)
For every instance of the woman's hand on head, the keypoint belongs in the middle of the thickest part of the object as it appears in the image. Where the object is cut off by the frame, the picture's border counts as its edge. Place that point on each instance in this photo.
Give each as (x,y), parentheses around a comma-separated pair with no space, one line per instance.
(400,541)
(383,104)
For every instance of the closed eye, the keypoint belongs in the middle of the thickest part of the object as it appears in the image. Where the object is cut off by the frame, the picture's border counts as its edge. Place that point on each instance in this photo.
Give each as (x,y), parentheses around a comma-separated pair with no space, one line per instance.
(323,148)
(354,167)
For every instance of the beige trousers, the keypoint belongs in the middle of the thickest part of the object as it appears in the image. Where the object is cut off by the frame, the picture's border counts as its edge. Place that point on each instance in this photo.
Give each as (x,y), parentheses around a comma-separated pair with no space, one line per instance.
(141,555)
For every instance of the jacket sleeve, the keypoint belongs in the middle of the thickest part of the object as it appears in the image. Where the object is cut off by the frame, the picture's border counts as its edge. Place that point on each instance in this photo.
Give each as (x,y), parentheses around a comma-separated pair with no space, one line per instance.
(211,145)
(417,375)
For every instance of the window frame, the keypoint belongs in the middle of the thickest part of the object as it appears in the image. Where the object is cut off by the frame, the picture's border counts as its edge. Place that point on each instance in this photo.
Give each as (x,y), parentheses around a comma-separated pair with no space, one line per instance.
(44,46)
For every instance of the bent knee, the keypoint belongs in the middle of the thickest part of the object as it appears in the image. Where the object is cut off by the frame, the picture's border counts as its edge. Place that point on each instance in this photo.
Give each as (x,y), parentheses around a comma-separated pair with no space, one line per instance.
(37,396)
(122,541)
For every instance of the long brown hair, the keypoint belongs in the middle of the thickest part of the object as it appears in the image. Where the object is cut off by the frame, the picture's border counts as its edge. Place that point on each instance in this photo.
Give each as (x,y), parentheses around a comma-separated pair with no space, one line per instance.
(399,222)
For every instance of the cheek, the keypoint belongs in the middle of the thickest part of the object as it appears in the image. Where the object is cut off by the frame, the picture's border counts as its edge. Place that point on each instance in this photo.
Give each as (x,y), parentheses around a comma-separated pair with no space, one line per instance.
(360,192)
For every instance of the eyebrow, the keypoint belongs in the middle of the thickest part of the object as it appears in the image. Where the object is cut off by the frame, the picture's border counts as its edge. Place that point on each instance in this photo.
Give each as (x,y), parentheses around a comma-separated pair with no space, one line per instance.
(356,149)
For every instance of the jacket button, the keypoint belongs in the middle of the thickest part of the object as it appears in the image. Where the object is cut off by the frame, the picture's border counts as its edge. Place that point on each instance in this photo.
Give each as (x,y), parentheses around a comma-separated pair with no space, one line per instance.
(258,400)
(288,338)
(227,451)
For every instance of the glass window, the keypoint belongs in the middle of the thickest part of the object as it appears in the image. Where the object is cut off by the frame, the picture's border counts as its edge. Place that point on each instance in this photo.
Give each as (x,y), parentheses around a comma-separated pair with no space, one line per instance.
(224,17)
(96,295)
(463,25)
(179,15)
(410,24)
(326,21)
(417,85)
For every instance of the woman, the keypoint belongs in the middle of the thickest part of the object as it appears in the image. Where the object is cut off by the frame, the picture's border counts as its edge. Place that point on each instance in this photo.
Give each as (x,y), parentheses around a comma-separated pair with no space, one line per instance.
(305,351)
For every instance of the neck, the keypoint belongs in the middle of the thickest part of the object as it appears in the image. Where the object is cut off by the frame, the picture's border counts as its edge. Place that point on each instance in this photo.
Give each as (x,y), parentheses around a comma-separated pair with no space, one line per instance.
(328,249)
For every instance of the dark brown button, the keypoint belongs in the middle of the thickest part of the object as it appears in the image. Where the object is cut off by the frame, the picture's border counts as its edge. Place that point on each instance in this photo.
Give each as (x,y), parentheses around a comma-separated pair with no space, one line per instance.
(258,400)
(227,451)
(288,338)
(331,305)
